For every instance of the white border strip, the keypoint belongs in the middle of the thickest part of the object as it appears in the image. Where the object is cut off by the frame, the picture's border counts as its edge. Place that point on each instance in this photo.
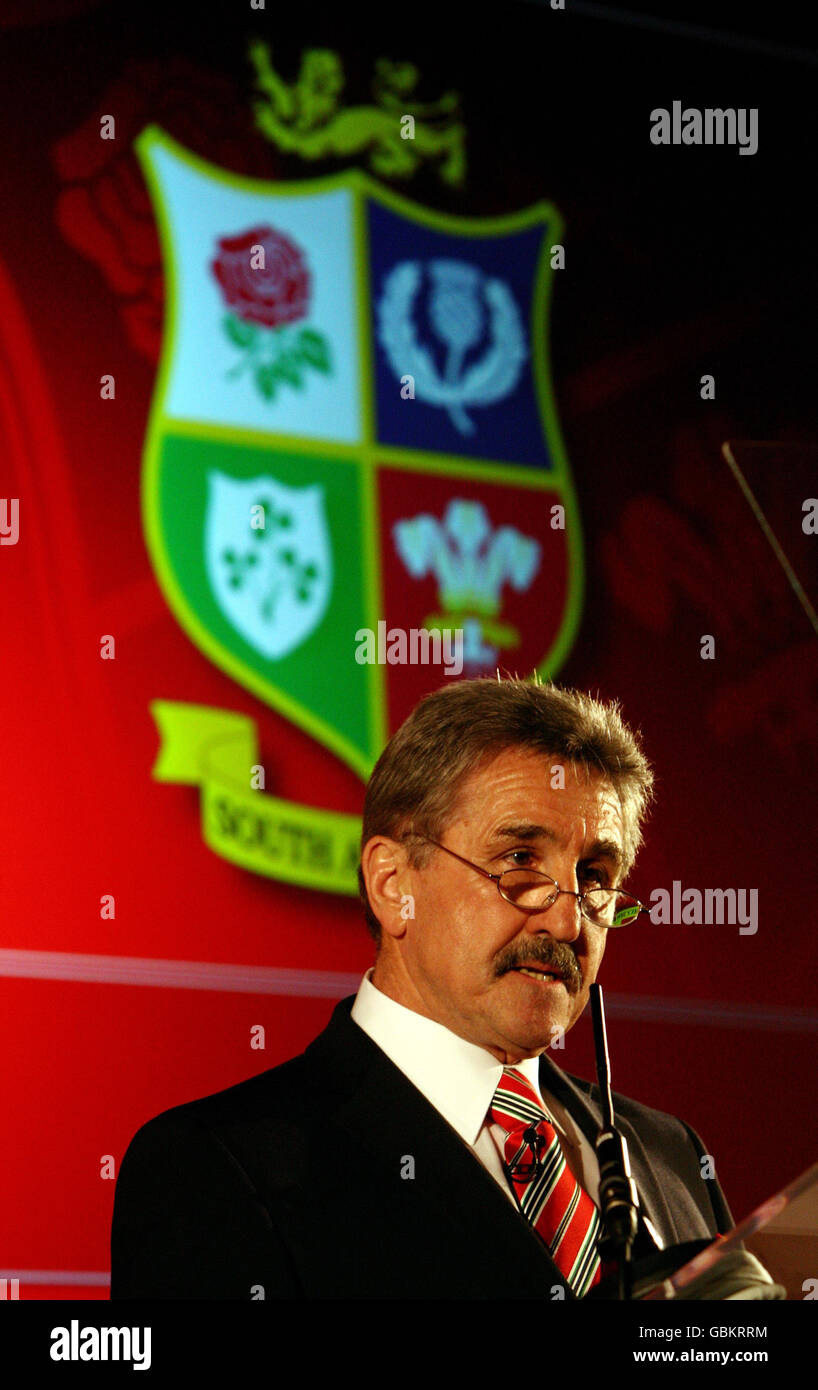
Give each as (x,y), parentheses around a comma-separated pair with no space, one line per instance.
(176,974)
(648,1009)
(335,984)
(88,1278)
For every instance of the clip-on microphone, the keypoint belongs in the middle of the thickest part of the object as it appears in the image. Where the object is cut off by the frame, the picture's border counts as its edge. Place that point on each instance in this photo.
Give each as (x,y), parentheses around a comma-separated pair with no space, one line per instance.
(618,1199)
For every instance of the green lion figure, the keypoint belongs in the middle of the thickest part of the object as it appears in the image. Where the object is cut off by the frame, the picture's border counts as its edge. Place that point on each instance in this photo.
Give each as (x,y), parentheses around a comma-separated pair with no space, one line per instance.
(306,117)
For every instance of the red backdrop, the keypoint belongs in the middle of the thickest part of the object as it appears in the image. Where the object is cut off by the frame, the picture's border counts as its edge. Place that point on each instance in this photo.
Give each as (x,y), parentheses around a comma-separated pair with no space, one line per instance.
(672,271)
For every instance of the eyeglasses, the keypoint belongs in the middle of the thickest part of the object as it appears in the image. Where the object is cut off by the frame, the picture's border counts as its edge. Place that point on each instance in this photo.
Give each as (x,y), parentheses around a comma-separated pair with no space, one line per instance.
(532,891)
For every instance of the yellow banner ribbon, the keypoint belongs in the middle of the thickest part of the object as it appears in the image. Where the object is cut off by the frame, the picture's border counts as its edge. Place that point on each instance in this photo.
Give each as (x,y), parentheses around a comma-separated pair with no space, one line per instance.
(217,750)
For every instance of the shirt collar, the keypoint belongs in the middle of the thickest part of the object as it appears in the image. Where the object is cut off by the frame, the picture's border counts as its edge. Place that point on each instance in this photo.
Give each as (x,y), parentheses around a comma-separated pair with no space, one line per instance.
(456,1076)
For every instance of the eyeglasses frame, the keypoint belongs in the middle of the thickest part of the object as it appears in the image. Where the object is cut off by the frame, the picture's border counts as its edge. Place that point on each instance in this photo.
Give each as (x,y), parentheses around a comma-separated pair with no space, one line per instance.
(571,892)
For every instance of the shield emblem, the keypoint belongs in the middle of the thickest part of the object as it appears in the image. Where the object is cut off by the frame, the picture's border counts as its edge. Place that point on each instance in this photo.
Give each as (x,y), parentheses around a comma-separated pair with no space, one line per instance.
(273,587)
(353,429)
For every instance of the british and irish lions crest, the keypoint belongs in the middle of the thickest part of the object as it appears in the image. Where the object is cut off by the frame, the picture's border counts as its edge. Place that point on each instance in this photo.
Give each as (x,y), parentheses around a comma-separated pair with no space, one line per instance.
(352,428)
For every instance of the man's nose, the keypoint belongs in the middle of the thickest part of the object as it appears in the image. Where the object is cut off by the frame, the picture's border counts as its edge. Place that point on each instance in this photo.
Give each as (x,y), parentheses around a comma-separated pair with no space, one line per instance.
(562,920)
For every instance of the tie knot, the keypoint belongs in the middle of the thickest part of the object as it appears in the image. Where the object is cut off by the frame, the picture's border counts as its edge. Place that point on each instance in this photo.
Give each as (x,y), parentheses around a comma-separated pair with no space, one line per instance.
(516,1104)
(514,1074)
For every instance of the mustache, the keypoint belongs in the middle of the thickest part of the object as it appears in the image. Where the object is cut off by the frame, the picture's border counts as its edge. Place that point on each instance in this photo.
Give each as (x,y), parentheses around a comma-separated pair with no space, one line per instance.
(557,955)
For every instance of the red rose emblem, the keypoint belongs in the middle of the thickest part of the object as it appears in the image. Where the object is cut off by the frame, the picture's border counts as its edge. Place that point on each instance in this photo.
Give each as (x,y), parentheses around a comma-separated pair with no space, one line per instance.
(278,293)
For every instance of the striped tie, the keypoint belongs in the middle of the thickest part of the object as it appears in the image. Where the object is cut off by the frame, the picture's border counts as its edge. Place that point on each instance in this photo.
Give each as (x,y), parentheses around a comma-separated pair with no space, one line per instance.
(550,1197)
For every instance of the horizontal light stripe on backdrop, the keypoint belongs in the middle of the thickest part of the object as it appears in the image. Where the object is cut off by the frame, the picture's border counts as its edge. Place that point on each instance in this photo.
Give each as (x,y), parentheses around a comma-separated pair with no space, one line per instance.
(335,984)
(88,1278)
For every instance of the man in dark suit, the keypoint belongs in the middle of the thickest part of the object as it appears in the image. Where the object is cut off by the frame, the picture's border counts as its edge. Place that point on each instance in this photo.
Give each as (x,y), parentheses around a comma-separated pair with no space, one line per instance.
(425,1145)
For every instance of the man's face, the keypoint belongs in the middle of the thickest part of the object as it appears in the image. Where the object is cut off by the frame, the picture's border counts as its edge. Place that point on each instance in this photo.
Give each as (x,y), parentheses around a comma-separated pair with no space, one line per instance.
(460,955)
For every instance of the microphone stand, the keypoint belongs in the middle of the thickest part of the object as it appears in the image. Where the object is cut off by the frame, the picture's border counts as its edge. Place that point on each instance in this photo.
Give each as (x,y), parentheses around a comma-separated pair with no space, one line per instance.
(618,1199)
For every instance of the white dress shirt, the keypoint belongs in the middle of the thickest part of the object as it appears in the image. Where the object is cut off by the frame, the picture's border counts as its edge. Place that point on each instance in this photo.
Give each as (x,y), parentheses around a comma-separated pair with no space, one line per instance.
(459,1079)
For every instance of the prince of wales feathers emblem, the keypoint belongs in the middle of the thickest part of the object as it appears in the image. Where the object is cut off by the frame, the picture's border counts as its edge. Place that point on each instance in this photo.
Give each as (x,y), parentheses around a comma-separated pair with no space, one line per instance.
(333,352)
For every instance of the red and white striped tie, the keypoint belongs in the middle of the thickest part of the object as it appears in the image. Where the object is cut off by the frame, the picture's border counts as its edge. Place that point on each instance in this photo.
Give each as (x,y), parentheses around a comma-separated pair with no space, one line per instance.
(560,1211)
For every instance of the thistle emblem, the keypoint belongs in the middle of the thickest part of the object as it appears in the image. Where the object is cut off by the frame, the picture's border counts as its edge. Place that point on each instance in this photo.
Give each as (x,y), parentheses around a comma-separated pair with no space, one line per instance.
(465,306)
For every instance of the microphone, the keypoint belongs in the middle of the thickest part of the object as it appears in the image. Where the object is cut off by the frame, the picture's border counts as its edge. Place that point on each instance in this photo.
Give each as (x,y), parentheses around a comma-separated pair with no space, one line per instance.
(618,1198)
(537,1143)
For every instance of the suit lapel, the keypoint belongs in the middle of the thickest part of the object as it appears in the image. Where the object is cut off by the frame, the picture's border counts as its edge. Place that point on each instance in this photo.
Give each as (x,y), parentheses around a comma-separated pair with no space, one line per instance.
(386,1117)
(588,1115)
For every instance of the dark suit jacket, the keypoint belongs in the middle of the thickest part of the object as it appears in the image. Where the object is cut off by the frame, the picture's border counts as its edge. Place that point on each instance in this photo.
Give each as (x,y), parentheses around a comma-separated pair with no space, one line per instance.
(296,1181)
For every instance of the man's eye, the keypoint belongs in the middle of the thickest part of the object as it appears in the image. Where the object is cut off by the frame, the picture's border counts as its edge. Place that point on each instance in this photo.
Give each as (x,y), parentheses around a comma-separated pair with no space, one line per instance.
(520,858)
(595,878)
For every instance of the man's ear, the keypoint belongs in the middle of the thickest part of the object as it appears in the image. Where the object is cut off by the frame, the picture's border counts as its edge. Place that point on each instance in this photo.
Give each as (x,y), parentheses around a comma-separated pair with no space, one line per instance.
(386,871)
